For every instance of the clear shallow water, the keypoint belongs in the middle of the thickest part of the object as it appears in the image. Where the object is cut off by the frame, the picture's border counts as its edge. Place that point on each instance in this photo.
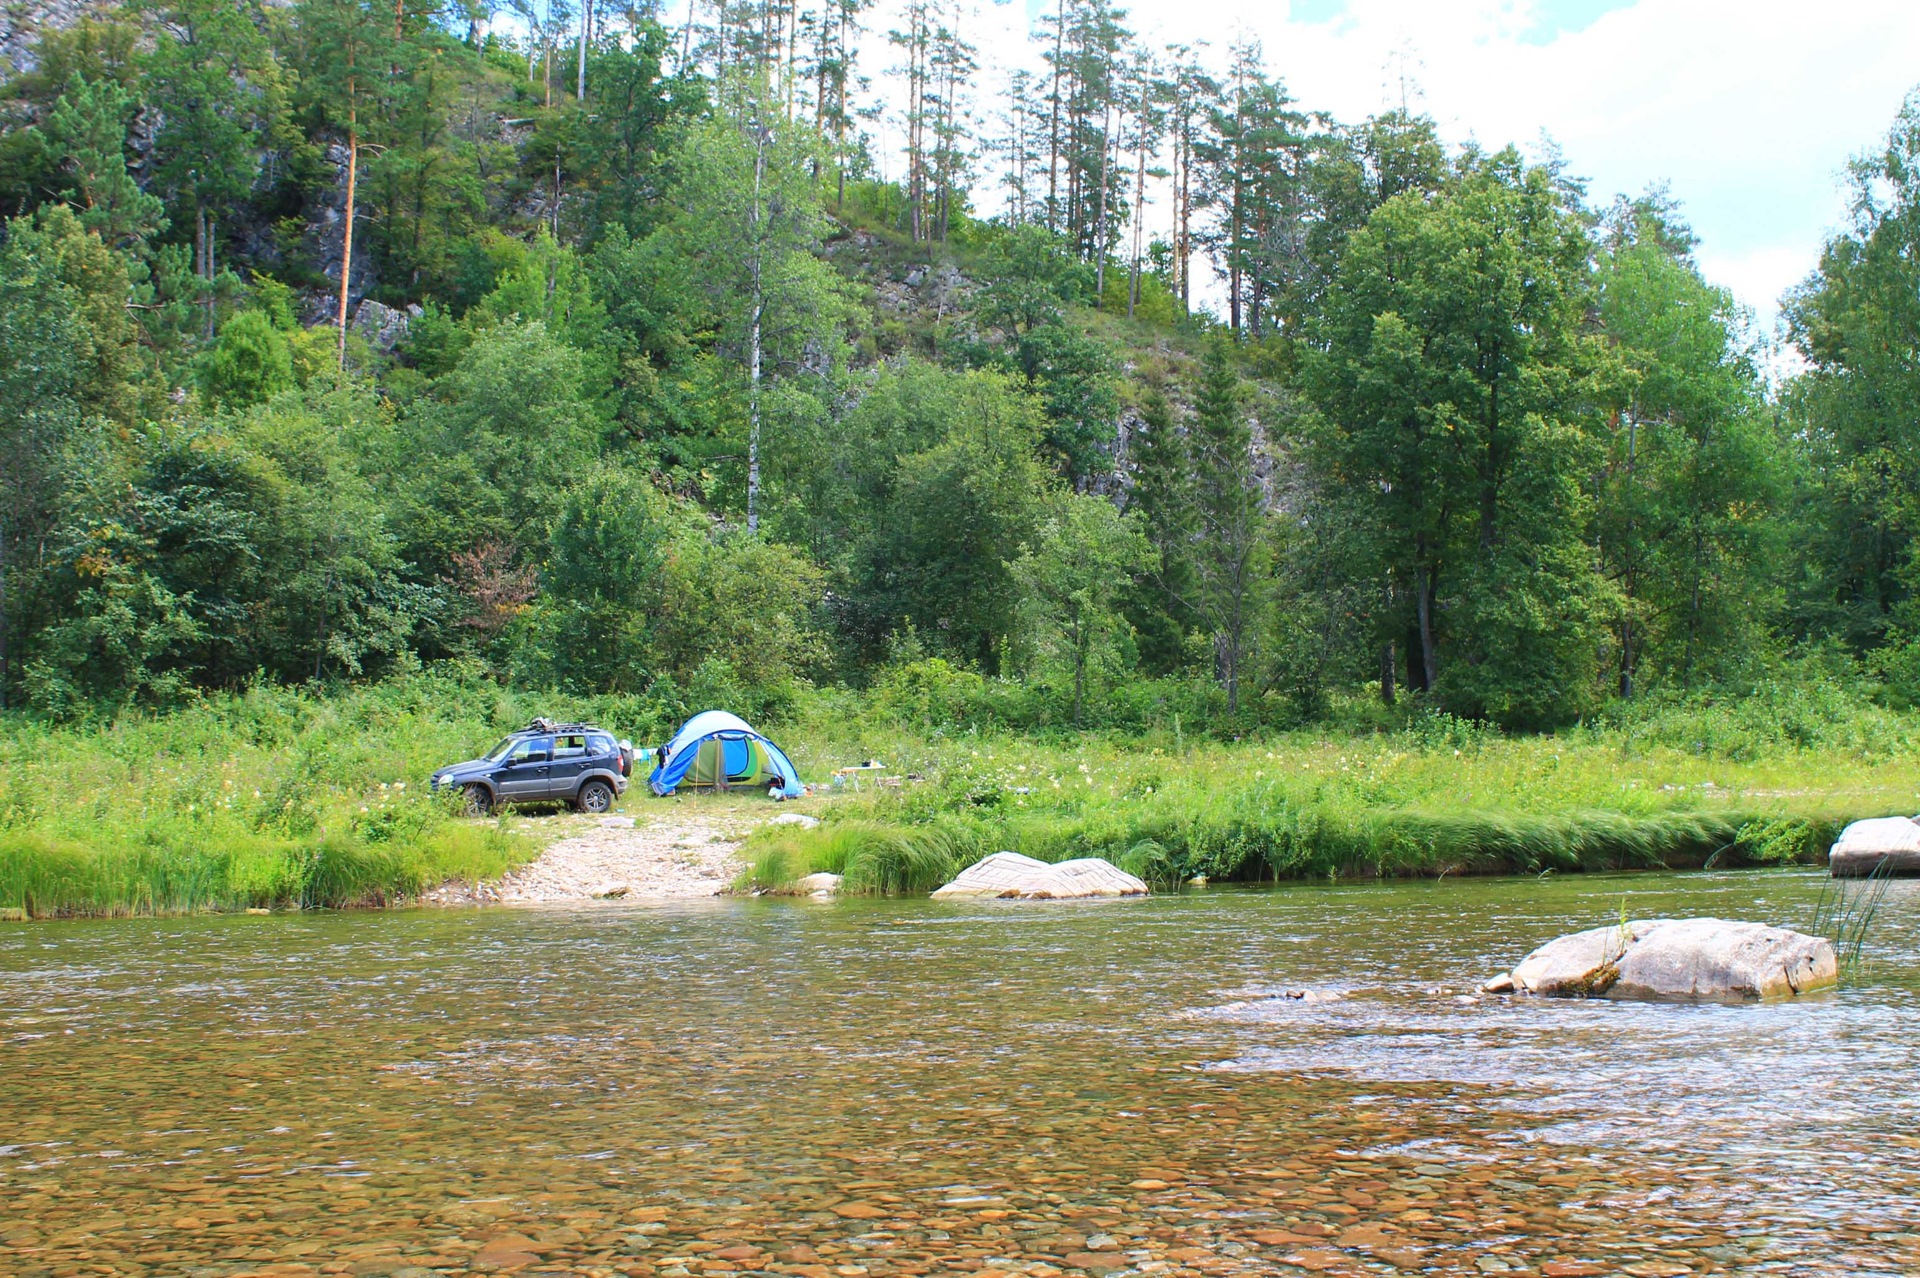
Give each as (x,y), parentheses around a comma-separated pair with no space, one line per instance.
(882,1088)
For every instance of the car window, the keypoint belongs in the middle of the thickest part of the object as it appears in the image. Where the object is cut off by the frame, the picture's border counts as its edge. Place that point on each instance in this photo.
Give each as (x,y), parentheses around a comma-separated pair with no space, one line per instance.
(600,745)
(499,751)
(569,747)
(542,746)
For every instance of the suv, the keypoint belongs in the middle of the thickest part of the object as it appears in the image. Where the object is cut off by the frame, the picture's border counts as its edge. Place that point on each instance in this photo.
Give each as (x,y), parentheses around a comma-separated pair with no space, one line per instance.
(544,762)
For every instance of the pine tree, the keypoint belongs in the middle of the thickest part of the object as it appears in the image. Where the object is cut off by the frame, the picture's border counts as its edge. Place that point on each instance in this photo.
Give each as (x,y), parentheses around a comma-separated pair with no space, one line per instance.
(1227,517)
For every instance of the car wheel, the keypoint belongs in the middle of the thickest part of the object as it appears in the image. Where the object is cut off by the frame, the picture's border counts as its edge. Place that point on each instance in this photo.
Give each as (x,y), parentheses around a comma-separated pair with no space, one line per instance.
(479,802)
(596,797)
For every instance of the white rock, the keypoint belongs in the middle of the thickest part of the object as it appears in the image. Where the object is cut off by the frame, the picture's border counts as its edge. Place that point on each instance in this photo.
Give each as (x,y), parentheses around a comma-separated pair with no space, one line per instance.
(1008,874)
(1678,959)
(800,819)
(819,884)
(1865,844)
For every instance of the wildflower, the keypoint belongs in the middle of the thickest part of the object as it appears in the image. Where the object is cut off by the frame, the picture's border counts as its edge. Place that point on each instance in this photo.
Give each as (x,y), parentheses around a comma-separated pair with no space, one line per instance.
(399,785)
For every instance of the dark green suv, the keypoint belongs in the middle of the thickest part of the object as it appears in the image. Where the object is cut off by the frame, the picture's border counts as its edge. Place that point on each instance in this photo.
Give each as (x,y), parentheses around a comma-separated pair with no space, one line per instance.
(545,762)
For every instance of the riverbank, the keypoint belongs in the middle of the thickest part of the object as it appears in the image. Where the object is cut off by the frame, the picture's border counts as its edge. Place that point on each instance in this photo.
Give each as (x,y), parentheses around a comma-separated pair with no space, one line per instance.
(656,850)
(286,799)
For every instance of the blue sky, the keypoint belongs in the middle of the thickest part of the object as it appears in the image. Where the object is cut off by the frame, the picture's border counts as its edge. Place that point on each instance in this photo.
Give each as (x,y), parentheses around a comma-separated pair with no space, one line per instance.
(1747,109)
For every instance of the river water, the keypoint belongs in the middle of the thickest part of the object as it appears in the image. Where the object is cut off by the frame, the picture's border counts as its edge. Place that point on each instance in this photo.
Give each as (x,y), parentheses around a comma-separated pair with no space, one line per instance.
(903,1088)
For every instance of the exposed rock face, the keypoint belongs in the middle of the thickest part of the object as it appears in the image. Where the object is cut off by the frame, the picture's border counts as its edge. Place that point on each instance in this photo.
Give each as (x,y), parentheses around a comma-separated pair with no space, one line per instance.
(1865,846)
(1008,874)
(1715,959)
(326,244)
(381,325)
(22,22)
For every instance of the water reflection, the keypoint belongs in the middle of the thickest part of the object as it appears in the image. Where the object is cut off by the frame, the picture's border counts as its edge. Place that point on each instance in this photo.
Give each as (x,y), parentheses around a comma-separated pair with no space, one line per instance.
(903,1088)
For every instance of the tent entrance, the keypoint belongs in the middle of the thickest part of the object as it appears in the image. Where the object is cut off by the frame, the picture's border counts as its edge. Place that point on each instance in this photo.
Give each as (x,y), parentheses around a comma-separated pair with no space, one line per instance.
(722,762)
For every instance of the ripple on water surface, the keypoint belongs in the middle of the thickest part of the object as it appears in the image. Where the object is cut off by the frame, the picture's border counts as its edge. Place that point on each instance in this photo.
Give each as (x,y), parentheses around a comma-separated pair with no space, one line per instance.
(879,1088)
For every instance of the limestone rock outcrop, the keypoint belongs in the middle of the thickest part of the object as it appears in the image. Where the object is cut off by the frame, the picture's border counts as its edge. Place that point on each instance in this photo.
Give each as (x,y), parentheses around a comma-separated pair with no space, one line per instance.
(1008,874)
(1683,959)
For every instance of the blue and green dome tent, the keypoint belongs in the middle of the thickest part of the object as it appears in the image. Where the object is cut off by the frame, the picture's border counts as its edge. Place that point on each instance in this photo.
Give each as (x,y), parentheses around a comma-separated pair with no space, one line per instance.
(718,750)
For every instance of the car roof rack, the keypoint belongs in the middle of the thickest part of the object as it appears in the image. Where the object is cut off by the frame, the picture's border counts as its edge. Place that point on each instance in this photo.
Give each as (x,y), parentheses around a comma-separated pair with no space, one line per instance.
(548,725)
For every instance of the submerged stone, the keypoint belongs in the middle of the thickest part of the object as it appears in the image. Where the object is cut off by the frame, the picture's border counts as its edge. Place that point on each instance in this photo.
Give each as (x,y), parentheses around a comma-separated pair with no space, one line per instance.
(1008,874)
(1716,959)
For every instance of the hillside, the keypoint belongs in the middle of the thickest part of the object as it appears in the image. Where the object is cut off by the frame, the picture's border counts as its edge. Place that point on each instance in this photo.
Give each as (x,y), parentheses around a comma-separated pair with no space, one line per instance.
(637,377)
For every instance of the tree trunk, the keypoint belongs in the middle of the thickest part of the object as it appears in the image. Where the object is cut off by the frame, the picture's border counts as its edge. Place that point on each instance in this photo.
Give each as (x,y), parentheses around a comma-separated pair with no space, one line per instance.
(586,33)
(753,330)
(1100,209)
(346,242)
(5,670)
(1429,660)
(1053,127)
(1386,673)
(1139,204)
(1081,642)
(1626,658)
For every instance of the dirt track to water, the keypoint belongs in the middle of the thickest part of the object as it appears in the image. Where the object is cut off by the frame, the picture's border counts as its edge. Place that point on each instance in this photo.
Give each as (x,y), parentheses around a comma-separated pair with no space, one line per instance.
(650,849)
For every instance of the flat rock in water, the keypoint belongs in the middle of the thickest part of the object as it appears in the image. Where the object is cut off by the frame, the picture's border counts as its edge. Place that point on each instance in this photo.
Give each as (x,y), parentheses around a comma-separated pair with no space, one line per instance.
(1008,874)
(1715,959)
(818,884)
(1866,846)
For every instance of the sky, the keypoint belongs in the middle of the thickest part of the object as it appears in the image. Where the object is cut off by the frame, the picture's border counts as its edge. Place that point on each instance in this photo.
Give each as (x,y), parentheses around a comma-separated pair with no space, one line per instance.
(1747,109)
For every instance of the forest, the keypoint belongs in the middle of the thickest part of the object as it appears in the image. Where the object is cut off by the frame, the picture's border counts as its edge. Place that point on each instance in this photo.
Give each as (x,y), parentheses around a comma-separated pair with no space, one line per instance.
(713,357)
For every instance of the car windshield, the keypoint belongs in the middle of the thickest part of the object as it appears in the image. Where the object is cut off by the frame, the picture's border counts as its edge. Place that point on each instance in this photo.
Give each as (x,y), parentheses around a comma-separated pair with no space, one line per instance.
(499,752)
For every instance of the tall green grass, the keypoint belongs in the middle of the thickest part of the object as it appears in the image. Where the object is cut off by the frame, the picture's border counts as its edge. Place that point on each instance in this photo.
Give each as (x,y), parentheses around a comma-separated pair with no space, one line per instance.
(270,798)
(278,797)
(1844,914)
(1431,796)
(1165,850)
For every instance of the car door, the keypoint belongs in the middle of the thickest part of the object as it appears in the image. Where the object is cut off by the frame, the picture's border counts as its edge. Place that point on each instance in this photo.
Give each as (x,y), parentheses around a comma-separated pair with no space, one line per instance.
(569,761)
(527,772)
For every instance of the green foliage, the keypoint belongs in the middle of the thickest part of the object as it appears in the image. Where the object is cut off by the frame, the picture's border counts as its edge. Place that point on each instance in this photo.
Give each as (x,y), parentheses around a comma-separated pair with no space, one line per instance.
(251,363)
(1453,378)
(954,516)
(1070,578)
(1500,454)
(1857,324)
(86,138)
(264,799)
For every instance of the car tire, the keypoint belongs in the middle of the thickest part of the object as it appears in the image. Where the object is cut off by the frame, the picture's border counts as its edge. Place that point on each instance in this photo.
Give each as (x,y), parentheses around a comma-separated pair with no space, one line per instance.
(479,800)
(596,798)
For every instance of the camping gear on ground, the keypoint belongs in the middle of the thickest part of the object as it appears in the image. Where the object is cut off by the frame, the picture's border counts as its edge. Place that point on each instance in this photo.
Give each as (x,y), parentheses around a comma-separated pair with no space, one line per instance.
(850,777)
(715,750)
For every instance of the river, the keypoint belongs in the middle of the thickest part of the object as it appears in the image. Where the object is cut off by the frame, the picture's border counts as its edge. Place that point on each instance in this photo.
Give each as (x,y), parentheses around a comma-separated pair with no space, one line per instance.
(902,1088)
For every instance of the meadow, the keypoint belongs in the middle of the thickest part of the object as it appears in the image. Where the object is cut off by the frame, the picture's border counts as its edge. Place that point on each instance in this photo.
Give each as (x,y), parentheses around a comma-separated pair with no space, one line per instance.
(278,798)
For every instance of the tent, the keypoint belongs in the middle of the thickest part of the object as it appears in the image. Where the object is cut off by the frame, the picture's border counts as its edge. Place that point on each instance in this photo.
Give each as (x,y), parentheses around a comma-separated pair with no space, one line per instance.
(718,750)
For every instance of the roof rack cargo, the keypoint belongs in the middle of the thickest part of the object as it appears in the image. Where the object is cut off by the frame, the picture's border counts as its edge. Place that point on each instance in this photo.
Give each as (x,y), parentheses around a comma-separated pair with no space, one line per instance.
(548,725)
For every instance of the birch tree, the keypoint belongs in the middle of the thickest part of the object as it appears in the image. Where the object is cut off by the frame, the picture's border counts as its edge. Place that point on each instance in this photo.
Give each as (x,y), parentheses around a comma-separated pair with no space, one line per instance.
(746,230)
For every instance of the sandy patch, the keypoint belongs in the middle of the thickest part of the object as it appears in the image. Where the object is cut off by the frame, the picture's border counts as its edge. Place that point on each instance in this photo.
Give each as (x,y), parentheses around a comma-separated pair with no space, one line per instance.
(659,849)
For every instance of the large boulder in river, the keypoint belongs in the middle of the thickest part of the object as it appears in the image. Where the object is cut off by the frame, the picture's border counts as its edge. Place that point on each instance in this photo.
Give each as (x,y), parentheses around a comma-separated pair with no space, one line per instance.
(1009,874)
(1714,959)
(1890,845)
